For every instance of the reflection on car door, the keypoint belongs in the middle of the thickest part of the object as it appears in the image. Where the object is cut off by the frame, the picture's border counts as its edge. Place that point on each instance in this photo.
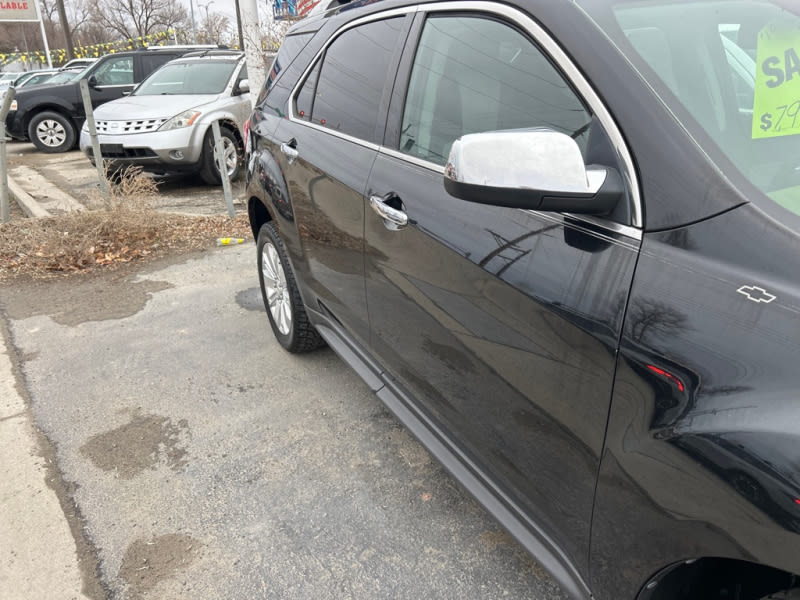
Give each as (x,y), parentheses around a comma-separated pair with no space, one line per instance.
(327,150)
(502,323)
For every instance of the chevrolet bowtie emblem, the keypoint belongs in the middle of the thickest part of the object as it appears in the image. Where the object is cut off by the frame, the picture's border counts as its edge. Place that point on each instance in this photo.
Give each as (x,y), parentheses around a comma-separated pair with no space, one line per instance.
(756,294)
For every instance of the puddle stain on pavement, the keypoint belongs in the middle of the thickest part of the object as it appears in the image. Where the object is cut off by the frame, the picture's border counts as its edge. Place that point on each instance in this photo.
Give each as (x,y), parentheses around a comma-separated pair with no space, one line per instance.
(250,299)
(73,301)
(144,443)
(148,562)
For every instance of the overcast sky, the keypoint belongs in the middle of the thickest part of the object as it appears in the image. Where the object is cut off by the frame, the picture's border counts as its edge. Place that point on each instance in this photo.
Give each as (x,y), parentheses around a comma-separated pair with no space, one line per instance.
(223,7)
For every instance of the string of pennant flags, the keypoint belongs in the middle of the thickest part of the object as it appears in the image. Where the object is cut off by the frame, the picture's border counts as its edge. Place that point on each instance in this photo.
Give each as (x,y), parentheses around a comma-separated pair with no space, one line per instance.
(59,55)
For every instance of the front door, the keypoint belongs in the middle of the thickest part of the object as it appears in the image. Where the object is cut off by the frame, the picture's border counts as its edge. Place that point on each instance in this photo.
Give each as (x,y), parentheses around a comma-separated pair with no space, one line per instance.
(112,78)
(502,323)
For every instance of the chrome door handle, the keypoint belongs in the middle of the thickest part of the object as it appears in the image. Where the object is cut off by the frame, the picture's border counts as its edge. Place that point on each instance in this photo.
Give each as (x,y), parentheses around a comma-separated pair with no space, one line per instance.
(393,218)
(290,151)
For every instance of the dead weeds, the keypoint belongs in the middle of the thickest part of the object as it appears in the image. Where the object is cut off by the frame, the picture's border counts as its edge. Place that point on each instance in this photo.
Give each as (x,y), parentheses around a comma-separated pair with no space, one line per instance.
(128,230)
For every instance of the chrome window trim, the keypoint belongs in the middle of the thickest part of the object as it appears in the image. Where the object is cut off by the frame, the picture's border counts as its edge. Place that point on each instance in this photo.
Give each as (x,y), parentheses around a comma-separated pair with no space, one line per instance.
(618,228)
(613,228)
(552,49)
(420,162)
(395,12)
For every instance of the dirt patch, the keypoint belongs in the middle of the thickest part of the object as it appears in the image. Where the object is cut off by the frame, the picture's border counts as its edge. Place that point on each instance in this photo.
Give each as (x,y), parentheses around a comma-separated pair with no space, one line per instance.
(144,443)
(148,562)
(104,240)
(122,228)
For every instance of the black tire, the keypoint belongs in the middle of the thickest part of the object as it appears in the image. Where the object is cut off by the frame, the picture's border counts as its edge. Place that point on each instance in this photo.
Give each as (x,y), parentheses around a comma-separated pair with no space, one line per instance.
(208,165)
(285,309)
(52,132)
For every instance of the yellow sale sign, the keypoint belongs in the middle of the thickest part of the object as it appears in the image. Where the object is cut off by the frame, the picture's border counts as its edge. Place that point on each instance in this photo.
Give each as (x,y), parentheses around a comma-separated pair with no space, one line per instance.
(776,103)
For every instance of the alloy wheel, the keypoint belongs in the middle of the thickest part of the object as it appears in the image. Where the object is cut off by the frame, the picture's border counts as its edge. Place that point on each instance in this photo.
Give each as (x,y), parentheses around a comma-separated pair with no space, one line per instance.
(51,133)
(229,155)
(278,298)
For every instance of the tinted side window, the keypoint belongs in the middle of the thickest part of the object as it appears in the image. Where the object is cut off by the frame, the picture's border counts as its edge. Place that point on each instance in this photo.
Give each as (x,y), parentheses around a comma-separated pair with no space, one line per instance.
(290,48)
(152,61)
(115,71)
(474,74)
(304,102)
(351,81)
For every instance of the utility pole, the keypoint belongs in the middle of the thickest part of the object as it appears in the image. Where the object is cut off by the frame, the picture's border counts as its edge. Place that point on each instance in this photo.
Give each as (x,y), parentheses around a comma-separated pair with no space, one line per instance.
(62,16)
(256,63)
(194,29)
(239,25)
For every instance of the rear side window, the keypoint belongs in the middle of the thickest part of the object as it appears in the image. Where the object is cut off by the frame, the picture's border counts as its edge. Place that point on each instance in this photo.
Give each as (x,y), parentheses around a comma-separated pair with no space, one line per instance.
(292,46)
(305,97)
(354,71)
(151,62)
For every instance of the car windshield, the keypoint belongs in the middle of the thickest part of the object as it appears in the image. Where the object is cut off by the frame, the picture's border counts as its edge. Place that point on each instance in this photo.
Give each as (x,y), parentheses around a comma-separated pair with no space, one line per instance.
(191,78)
(730,67)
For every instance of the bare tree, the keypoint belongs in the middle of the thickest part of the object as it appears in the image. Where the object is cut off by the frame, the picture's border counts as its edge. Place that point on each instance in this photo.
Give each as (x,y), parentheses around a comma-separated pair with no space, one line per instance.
(217,29)
(139,18)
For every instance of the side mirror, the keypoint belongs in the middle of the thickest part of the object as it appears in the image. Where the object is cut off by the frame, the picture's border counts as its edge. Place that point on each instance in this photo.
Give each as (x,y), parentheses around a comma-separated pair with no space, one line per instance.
(534,169)
(243,87)
(92,81)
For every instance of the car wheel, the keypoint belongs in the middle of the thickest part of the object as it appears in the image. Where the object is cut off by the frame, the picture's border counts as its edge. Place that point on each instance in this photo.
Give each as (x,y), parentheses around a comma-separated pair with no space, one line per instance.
(285,309)
(51,132)
(231,152)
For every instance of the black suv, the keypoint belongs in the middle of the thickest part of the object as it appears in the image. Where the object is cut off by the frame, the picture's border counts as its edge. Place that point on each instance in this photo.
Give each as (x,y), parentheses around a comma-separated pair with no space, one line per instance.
(560,241)
(51,116)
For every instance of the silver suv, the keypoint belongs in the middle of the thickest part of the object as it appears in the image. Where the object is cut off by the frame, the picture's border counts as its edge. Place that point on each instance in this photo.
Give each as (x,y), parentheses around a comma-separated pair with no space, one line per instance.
(164,125)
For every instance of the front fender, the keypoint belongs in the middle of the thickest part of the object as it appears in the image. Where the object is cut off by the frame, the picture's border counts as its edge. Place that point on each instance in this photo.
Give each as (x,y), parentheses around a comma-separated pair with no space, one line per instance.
(702,454)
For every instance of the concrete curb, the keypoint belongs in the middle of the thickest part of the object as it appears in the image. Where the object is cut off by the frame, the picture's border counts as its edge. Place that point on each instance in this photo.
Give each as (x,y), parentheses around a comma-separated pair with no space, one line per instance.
(26,202)
(39,557)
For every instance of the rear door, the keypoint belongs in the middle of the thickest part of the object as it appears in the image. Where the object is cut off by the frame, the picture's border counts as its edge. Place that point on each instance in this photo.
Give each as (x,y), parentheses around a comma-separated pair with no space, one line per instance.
(325,150)
(501,323)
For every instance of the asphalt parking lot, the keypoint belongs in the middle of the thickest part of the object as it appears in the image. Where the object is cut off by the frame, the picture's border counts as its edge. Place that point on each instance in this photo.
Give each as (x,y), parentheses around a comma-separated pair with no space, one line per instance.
(194,458)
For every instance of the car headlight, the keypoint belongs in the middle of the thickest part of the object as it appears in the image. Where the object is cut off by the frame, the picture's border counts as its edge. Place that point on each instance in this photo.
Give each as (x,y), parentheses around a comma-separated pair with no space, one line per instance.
(185,119)
(13,106)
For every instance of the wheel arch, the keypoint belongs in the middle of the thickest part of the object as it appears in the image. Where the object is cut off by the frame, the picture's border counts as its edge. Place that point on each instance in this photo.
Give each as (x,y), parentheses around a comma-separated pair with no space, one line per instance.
(258,214)
(716,577)
(225,122)
(49,107)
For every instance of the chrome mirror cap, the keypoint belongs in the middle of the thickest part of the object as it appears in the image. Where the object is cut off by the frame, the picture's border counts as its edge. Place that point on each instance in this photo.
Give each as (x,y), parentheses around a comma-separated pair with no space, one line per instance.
(532,169)
(539,159)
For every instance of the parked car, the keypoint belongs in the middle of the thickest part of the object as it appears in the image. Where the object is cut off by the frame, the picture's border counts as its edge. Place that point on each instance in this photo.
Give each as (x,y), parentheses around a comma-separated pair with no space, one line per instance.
(165,124)
(41,76)
(24,78)
(559,240)
(7,78)
(80,63)
(51,116)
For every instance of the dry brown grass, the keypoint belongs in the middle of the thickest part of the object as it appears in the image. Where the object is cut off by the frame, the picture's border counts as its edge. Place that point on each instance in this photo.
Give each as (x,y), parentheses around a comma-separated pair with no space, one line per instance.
(129,229)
